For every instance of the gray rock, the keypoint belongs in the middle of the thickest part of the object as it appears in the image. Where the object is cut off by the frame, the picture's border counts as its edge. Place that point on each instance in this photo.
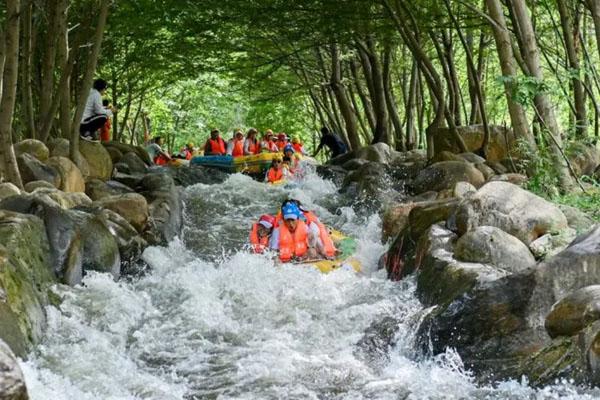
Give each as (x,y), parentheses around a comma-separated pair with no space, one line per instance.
(577,219)
(12,382)
(354,164)
(32,169)
(97,189)
(472,158)
(131,206)
(445,174)
(493,246)
(463,189)
(32,147)
(122,168)
(549,245)
(512,209)
(33,185)
(135,163)
(502,140)
(7,189)
(574,312)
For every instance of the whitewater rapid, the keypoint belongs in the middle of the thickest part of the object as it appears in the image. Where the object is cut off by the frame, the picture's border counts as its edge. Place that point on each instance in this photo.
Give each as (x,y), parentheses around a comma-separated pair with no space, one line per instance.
(212,321)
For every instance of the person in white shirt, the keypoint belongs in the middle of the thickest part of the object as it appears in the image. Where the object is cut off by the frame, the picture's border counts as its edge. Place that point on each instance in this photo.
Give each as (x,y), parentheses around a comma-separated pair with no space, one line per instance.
(94,114)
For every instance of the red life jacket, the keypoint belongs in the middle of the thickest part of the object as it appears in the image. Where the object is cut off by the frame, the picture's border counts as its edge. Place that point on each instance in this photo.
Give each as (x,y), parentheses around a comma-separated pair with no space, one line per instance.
(297,147)
(268,146)
(238,148)
(281,144)
(214,147)
(253,147)
(292,244)
(274,175)
(328,245)
(259,244)
(160,160)
(188,154)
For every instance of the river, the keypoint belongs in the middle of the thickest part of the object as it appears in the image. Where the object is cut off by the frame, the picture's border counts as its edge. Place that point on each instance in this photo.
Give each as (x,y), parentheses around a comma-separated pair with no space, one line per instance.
(212,321)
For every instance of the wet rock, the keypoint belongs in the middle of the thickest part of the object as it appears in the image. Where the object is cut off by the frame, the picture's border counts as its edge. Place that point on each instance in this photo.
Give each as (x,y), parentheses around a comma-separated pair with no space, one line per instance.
(12,382)
(134,162)
(100,249)
(577,219)
(196,174)
(98,159)
(463,189)
(372,182)
(378,339)
(574,312)
(165,206)
(7,189)
(493,246)
(32,147)
(502,140)
(333,173)
(354,164)
(33,185)
(97,189)
(131,206)
(395,219)
(444,175)
(549,245)
(32,169)
(512,209)
(25,278)
(71,179)
(401,259)
(515,179)
(574,268)
(114,153)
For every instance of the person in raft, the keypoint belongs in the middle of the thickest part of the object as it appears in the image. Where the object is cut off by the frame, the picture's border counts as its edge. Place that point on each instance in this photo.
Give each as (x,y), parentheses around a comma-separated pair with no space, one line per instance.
(215,145)
(235,147)
(94,114)
(294,239)
(261,233)
(288,151)
(282,141)
(276,172)
(251,143)
(156,153)
(267,144)
(298,146)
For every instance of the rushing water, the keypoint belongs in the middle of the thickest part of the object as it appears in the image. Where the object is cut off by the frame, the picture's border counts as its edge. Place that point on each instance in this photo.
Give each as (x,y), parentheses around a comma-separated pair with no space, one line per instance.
(212,321)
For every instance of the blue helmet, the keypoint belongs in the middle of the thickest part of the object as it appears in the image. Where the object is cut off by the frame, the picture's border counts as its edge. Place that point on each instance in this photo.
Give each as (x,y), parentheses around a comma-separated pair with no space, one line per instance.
(291,211)
(289,147)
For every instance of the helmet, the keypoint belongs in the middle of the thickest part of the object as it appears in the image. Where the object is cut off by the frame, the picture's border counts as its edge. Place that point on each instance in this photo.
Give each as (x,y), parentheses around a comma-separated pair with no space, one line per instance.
(282,136)
(295,140)
(288,147)
(291,211)
(268,221)
(268,132)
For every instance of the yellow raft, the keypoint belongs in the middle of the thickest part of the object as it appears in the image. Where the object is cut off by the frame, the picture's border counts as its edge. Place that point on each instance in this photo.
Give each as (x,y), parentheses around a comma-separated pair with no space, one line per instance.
(347,247)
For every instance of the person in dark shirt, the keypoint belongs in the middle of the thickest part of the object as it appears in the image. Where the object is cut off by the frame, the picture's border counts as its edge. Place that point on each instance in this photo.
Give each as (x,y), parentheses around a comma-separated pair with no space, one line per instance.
(333,141)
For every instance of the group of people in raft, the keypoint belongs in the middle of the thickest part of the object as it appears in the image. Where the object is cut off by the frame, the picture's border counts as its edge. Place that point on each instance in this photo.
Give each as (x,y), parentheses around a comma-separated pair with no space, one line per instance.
(295,233)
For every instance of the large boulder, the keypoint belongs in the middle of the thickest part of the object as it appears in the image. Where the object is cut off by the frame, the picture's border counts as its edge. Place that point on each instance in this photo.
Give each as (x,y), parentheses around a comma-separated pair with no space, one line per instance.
(576,218)
(33,185)
(64,199)
(59,147)
(97,189)
(98,159)
(378,152)
(512,209)
(71,177)
(25,279)
(115,154)
(490,245)
(444,175)
(196,174)
(395,219)
(334,173)
(12,382)
(7,189)
(131,206)
(32,147)
(32,169)
(574,312)
(584,158)
(502,140)
(134,162)
(371,184)
(165,206)
(126,148)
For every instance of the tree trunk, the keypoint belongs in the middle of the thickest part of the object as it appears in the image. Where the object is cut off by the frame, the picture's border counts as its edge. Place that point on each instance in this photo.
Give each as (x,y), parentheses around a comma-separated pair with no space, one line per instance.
(49,59)
(26,89)
(578,90)
(410,106)
(368,110)
(342,98)
(9,89)
(542,103)
(594,6)
(390,100)
(87,80)
(517,114)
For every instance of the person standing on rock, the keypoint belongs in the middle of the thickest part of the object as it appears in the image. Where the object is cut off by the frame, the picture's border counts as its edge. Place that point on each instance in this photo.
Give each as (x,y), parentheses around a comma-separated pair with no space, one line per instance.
(94,114)
(333,141)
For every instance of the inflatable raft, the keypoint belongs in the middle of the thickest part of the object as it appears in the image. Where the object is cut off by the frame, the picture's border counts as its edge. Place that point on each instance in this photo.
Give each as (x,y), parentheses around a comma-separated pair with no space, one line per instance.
(255,164)
(346,259)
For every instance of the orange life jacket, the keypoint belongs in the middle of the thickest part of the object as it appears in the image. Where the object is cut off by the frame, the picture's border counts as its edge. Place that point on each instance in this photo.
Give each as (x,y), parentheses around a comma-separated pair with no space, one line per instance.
(274,174)
(259,244)
(328,245)
(160,160)
(105,131)
(253,147)
(268,146)
(297,147)
(292,244)
(281,144)
(214,147)
(188,154)
(238,148)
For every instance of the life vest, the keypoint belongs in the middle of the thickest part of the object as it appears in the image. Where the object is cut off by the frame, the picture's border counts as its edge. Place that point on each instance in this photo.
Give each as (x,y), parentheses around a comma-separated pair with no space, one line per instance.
(188,154)
(281,144)
(252,147)
(292,244)
(238,148)
(215,147)
(160,160)
(297,147)
(268,146)
(259,244)
(105,131)
(328,246)
(274,175)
